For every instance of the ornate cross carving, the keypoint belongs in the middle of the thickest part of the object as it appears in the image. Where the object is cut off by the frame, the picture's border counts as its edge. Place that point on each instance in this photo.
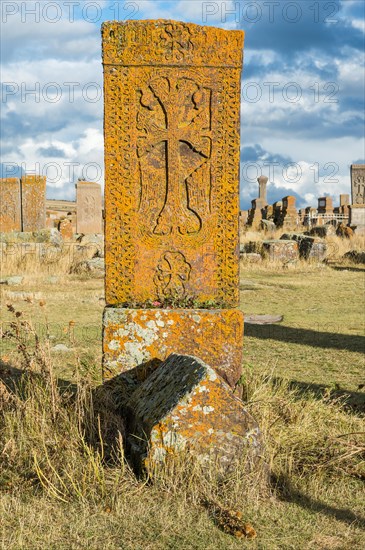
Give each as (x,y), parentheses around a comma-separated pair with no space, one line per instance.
(175,113)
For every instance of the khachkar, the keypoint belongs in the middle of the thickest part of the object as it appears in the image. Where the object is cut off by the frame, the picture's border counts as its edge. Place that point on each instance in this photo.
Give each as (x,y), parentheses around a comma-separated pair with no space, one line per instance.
(10,207)
(88,207)
(33,202)
(172,146)
(357,208)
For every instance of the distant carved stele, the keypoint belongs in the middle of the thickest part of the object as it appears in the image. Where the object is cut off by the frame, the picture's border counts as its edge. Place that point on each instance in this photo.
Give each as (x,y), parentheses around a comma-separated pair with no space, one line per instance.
(358,183)
(172,102)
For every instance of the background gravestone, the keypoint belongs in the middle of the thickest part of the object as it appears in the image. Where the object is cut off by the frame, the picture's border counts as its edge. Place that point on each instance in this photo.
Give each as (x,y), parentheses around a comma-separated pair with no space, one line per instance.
(357,208)
(33,193)
(358,184)
(172,147)
(88,208)
(10,205)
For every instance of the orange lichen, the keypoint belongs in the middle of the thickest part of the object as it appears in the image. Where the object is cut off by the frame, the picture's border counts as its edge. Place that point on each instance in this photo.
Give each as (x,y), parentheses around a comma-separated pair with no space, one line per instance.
(172,146)
(135,336)
(10,211)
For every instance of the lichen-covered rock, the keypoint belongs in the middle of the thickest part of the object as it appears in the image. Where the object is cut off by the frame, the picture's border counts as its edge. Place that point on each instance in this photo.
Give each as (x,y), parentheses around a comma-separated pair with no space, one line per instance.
(281,250)
(134,336)
(313,248)
(94,267)
(185,406)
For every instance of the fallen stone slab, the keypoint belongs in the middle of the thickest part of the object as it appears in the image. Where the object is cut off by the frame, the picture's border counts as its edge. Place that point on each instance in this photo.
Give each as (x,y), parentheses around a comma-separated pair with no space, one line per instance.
(185,406)
(251,257)
(61,348)
(16,280)
(355,256)
(313,248)
(95,267)
(263,319)
(281,250)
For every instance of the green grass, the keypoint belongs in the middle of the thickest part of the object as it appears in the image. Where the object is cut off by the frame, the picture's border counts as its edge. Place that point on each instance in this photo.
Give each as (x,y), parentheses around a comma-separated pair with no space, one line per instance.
(58,493)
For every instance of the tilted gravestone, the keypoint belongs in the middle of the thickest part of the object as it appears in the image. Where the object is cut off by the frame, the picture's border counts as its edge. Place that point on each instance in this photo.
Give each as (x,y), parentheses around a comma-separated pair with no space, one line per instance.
(10,206)
(88,208)
(172,146)
(33,202)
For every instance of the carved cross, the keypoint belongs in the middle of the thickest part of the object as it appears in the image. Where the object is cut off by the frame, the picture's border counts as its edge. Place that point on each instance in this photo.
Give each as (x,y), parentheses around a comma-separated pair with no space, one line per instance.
(176,112)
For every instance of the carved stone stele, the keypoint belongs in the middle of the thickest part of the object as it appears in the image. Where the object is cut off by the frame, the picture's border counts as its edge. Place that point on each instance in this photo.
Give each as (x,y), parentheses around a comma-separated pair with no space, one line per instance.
(88,208)
(10,207)
(33,202)
(358,183)
(172,147)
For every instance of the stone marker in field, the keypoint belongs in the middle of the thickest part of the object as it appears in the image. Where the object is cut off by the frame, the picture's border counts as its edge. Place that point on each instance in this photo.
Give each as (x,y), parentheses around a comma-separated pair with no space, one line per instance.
(281,250)
(262,188)
(66,230)
(289,214)
(184,406)
(172,146)
(357,208)
(33,192)
(10,205)
(325,205)
(358,184)
(88,208)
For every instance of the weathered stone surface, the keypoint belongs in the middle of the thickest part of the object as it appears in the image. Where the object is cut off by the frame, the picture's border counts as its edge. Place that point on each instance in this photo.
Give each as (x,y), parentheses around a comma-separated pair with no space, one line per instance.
(33,202)
(94,267)
(355,256)
(358,184)
(95,242)
(322,231)
(135,336)
(14,280)
(88,208)
(267,225)
(265,319)
(310,248)
(281,250)
(313,248)
(289,214)
(184,406)
(357,217)
(251,257)
(172,102)
(262,187)
(66,230)
(325,205)
(10,206)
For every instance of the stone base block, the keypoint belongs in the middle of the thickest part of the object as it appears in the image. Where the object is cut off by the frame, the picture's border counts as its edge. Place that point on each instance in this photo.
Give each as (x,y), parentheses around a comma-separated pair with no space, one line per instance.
(357,218)
(132,337)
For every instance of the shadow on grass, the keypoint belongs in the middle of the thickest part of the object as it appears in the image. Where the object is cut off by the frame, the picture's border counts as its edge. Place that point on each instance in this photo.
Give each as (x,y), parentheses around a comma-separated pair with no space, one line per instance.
(343,268)
(353,401)
(287,493)
(307,337)
(12,377)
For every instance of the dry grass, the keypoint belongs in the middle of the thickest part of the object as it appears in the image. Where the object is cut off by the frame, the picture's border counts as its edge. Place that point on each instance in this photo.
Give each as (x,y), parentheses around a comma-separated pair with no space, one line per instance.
(34,258)
(65,486)
(60,489)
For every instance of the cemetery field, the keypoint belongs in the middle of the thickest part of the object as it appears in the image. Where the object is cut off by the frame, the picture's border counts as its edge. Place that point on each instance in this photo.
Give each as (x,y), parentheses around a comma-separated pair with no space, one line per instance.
(303,379)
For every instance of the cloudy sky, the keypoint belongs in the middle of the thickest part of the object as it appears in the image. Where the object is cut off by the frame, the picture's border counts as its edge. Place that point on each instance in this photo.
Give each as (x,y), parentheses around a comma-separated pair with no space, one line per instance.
(302,113)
